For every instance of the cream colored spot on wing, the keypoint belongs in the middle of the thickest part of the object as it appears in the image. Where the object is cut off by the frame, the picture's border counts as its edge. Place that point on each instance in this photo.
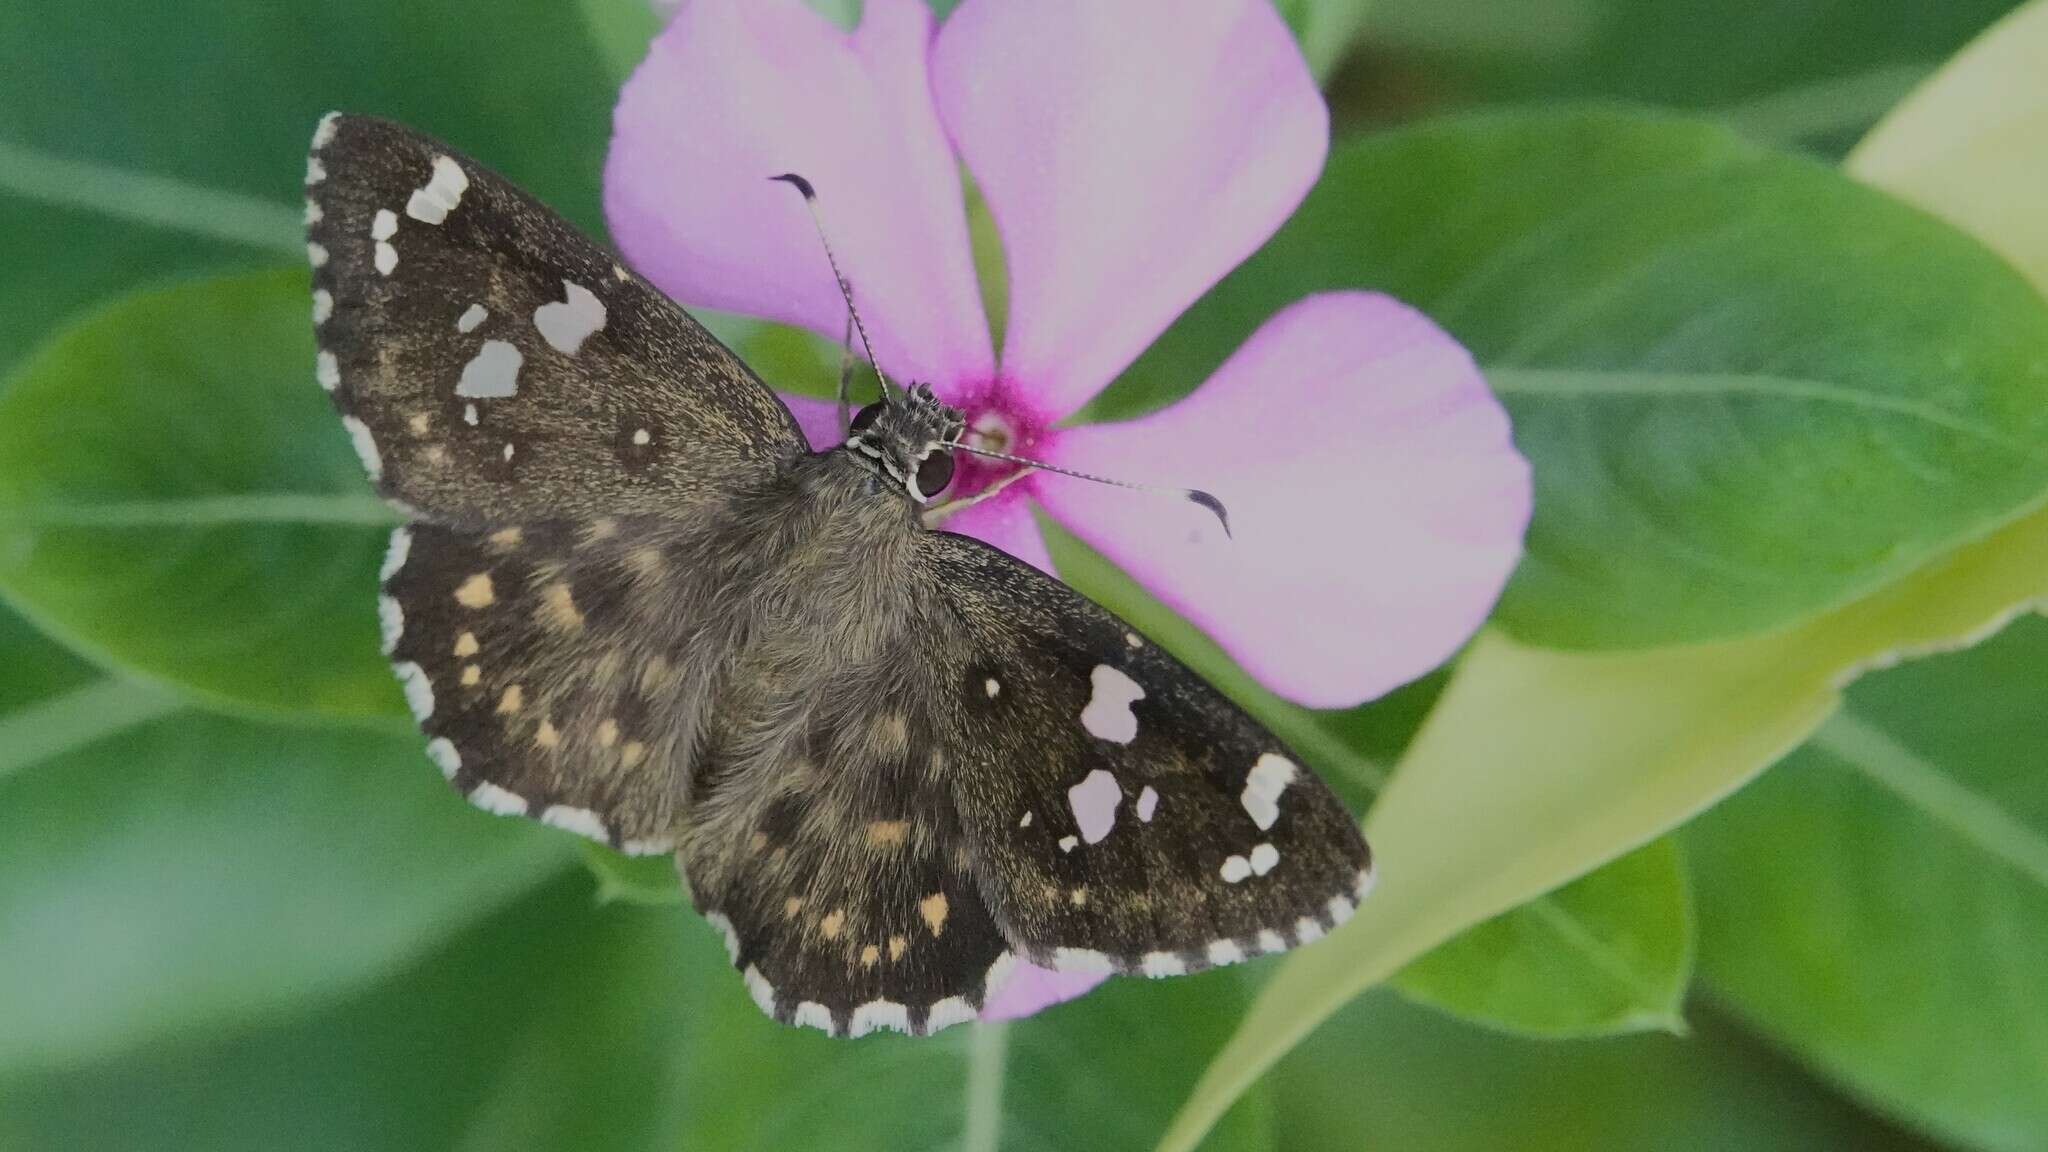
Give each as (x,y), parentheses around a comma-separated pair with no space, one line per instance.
(546,735)
(607,733)
(558,608)
(655,674)
(436,455)
(420,423)
(892,733)
(476,592)
(466,645)
(605,671)
(602,528)
(870,956)
(513,700)
(471,675)
(831,924)
(888,833)
(647,564)
(933,909)
(1078,897)
(632,753)
(792,906)
(505,539)
(897,946)
(757,841)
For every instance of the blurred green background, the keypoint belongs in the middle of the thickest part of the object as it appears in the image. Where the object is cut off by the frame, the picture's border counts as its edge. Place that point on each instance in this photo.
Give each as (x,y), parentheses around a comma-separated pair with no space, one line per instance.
(1785,424)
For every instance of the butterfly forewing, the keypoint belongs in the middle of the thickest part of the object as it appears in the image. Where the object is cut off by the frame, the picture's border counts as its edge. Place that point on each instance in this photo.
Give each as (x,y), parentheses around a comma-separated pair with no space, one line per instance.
(495,366)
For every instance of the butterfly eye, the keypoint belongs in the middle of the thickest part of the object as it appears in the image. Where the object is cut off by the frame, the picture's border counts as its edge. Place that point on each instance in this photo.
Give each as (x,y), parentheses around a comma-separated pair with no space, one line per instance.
(865,417)
(934,472)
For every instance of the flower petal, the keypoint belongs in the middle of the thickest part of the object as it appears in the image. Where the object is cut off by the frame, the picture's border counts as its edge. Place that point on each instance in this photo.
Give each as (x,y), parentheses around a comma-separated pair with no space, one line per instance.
(732,93)
(1031,988)
(818,418)
(1131,154)
(1006,522)
(1376,498)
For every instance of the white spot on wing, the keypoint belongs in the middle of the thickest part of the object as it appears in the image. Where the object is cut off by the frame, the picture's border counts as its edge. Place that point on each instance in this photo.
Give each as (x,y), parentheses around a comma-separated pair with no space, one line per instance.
(323,305)
(1340,909)
(758,985)
(1025,822)
(1094,801)
(581,821)
(1263,786)
(811,1014)
(1067,843)
(419,693)
(732,940)
(366,446)
(1148,803)
(1133,640)
(878,1014)
(1307,930)
(1235,869)
(469,415)
(472,316)
(567,324)
(395,553)
(1223,952)
(1271,942)
(390,623)
(324,134)
(382,229)
(641,437)
(326,369)
(496,800)
(1108,715)
(316,255)
(444,755)
(991,687)
(443,191)
(493,373)
(946,1013)
(1081,960)
(315,170)
(651,846)
(1163,964)
(1264,856)
(313,213)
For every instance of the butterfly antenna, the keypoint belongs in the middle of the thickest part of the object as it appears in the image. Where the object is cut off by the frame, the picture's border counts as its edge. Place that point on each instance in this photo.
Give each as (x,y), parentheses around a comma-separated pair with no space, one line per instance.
(810,196)
(1191,495)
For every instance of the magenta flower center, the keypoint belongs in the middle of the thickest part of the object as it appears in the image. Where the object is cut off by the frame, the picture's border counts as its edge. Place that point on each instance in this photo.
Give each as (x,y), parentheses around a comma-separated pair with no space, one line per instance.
(1000,420)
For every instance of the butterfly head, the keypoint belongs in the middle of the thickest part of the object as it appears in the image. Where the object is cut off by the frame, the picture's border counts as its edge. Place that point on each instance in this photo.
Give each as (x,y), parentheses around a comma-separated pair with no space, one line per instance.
(910,437)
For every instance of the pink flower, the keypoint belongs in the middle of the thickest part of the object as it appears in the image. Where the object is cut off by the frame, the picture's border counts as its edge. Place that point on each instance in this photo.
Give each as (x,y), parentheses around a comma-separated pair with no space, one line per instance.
(1131,154)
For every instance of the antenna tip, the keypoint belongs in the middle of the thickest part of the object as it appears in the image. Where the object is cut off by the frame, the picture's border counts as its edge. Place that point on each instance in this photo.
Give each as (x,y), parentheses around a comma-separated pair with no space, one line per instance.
(799,183)
(1213,505)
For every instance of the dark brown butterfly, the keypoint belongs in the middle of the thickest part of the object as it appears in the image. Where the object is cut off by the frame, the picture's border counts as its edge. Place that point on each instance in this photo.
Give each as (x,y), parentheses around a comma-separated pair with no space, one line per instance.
(633,603)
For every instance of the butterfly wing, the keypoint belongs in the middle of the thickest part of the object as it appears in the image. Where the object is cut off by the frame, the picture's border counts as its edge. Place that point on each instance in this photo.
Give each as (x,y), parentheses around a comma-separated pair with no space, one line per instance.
(1122,814)
(493,365)
(1017,773)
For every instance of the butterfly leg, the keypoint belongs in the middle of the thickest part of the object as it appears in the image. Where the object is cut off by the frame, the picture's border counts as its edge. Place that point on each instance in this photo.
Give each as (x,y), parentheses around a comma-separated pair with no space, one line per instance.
(939,512)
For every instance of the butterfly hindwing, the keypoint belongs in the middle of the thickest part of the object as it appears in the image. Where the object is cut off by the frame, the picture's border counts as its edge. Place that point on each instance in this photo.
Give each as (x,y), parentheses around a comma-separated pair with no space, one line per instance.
(495,366)
(1123,814)
(525,656)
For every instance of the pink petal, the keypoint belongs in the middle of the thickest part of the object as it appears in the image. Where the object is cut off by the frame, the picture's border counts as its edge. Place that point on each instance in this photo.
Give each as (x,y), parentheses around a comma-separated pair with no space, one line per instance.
(736,91)
(818,418)
(1031,988)
(1006,522)
(1131,153)
(1376,497)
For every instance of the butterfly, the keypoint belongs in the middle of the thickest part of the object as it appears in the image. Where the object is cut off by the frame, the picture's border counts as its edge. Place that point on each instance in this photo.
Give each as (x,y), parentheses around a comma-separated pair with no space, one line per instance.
(630,601)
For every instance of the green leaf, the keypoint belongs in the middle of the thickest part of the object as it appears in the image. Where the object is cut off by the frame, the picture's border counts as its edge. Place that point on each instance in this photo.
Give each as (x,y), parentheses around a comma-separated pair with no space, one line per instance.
(1326,29)
(1387,1075)
(1751,389)
(1703,54)
(1879,902)
(177,498)
(210,180)
(561,1024)
(1540,765)
(1967,145)
(1610,952)
(193,872)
